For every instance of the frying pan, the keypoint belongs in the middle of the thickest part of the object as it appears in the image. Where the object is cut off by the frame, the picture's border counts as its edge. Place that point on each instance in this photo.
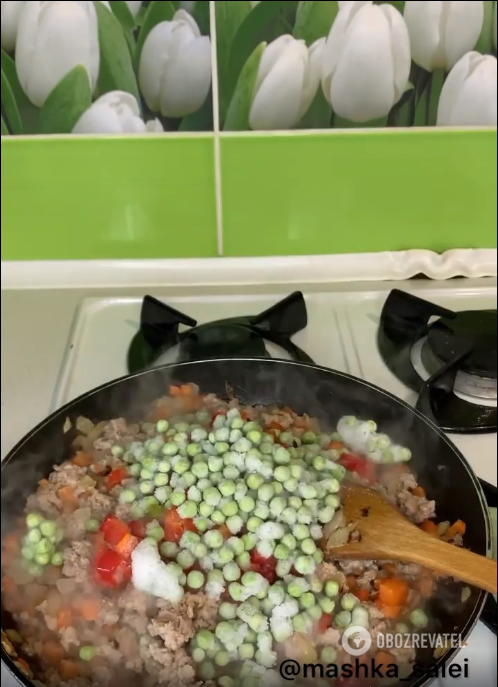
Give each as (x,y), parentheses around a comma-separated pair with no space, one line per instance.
(317,391)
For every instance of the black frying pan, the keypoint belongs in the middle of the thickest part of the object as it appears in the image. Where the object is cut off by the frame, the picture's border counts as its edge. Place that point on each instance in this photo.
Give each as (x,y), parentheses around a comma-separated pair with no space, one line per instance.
(320,392)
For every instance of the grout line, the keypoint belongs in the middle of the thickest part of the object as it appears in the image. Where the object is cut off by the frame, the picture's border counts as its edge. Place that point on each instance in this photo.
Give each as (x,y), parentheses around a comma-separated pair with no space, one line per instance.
(216,122)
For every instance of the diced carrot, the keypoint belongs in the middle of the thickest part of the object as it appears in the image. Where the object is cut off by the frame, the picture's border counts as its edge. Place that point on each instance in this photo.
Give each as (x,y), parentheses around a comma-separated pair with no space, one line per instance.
(82,460)
(362,594)
(384,658)
(459,527)
(90,609)
(337,445)
(64,618)
(419,491)
(389,612)
(11,543)
(43,482)
(225,531)
(68,670)
(9,585)
(175,390)
(393,591)
(351,583)
(67,493)
(53,652)
(426,586)
(430,527)
(186,389)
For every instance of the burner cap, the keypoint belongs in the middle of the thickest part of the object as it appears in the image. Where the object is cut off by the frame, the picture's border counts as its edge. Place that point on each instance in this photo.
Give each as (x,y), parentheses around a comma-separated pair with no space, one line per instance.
(470,329)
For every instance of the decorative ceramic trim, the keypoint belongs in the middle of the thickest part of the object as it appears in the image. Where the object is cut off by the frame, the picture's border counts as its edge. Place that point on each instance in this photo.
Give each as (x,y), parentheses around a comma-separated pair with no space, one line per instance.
(316,269)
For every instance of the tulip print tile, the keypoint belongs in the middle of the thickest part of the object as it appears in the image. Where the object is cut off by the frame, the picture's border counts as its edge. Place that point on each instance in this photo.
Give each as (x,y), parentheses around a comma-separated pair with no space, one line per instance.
(106,67)
(361,64)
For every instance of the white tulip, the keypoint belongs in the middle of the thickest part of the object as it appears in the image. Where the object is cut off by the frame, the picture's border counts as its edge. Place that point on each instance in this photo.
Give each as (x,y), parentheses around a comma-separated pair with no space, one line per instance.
(366,61)
(287,82)
(134,7)
(116,112)
(175,67)
(495,31)
(442,32)
(469,93)
(53,38)
(10,15)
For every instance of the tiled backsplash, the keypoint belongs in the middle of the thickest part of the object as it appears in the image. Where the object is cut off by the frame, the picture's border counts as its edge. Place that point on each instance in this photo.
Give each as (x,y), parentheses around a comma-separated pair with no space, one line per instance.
(352,167)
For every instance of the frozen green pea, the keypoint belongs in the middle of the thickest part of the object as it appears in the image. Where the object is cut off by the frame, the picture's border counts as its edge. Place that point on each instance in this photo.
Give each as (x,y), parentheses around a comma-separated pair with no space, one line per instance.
(169,449)
(246,652)
(333,501)
(92,525)
(214,539)
(305,565)
(302,623)
(202,524)
(42,558)
(34,520)
(266,448)
(244,560)
(135,470)
(27,553)
(343,619)
(230,508)
(155,533)
(247,504)
(48,528)
(308,546)
(304,516)
(250,540)
(207,671)
(236,591)
(255,481)
(236,544)
(328,655)
(198,655)
(169,549)
(185,559)
(146,474)
(230,472)
(200,470)
(221,448)
(57,559)
(402,628)
(87,653)
(297,587)
(361,617)
(188,510)
(307,600)
(227,488)
(227,610)
(281,552)
(34,536)
(235,435)
(315,612)
(44,546)
(254,523)
(161,480)
(222,658)
(418,618)
(218,517)
(193,450)
(205,639)
(291,485)
(205,509)
(195,579)
(331,588)
(301,532)
(181,466)
(177,498)
(162,426)
(295,502)
(289,541)
(147,487)
(278,488)
(235,523)
(231,572)
(319,463)
(212,496)
(282,473)
(254,436)
(194,494)
(277,505)
(162,494)
(188,479)
(349,601)
(283,568)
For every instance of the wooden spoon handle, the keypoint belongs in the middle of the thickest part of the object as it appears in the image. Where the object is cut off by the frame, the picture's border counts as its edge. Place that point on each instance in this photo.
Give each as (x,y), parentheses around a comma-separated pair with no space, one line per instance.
(456,562)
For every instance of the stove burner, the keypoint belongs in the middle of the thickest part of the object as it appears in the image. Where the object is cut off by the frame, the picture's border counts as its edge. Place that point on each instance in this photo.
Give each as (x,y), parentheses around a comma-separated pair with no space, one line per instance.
(472,329)
(459,351)
(232,338)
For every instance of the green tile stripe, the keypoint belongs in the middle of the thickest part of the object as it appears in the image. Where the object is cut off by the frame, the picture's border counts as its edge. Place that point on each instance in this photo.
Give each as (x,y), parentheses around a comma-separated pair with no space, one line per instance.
(349,192)
(131,197)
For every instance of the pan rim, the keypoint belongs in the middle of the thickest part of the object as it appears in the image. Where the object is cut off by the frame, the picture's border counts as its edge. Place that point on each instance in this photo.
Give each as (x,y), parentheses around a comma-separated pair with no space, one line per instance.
(465,632)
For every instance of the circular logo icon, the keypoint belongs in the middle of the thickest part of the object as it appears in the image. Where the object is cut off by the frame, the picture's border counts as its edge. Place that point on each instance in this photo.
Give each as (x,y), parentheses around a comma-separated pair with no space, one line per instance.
(356,641)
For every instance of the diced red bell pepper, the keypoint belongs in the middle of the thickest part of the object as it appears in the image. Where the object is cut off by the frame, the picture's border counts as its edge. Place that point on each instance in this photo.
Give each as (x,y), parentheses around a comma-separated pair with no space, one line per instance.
(175,526)
(114,530)
(324,623)
(115,478)
(127,545)
(264,566)
(111,569)
(362,466)
(138,528)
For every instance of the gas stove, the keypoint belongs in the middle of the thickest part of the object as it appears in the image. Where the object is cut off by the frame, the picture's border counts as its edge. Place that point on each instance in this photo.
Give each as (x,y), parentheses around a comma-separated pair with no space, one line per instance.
(432,344)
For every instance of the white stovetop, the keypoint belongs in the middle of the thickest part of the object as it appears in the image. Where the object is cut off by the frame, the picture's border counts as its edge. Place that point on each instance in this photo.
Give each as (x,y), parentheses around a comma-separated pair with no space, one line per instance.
(64,333)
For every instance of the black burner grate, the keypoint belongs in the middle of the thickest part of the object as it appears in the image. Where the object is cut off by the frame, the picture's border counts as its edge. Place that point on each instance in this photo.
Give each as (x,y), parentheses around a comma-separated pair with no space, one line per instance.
(230,338)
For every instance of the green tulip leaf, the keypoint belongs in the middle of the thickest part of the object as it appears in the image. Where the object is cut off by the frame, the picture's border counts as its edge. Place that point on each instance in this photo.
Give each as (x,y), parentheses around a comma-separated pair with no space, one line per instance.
(398,4)
(121,10)
(237,118)
(9,107)
(318,115)
(28,112)
(340,123)
(485,43)
(66,103)
(267,21)
(157,12)
(314,19)
(5,131)
(116,66)
(202,120)
(229,17)
(202,16)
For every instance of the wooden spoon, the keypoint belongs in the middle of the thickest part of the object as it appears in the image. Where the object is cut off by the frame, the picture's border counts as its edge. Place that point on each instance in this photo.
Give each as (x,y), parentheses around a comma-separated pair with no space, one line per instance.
(387,535)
